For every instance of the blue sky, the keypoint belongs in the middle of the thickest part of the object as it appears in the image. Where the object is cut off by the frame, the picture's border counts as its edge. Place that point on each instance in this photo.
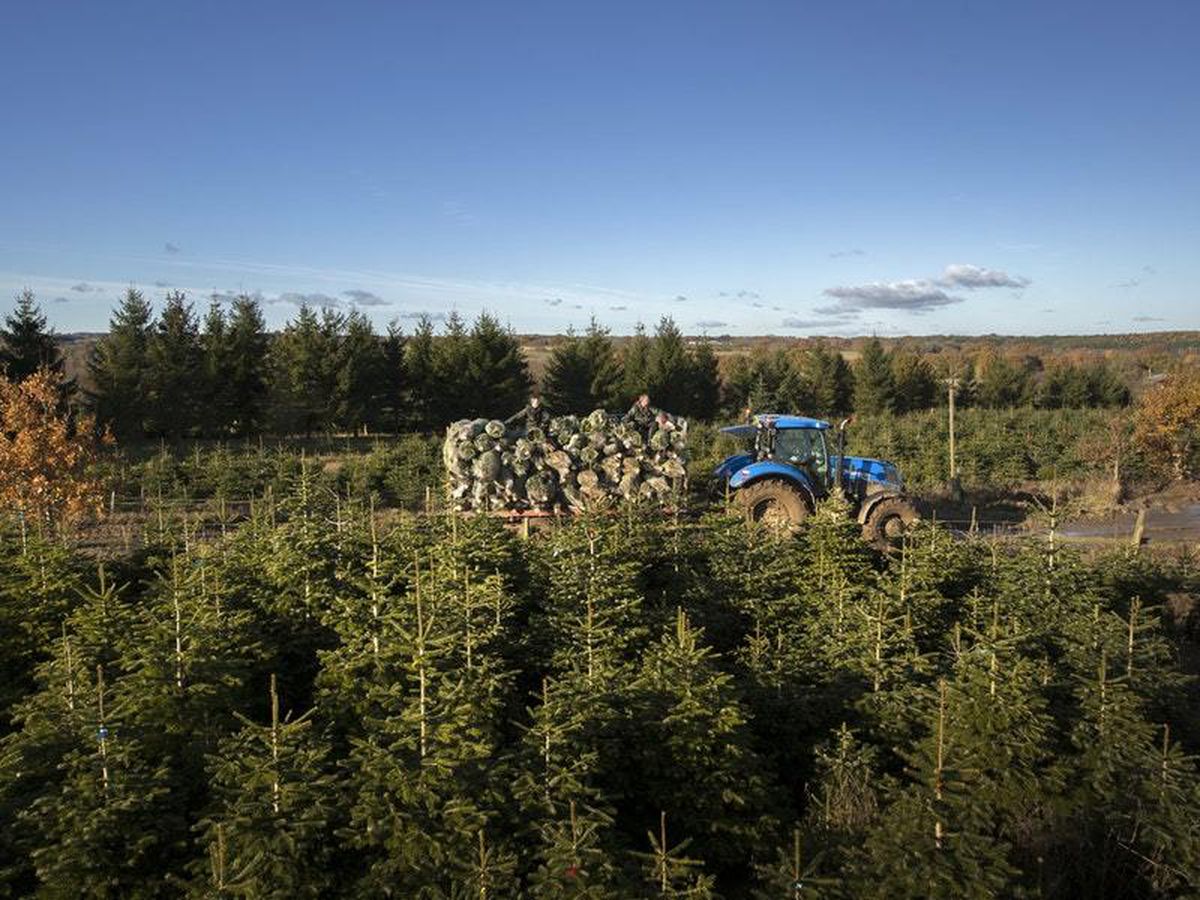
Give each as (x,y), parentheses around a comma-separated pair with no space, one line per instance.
(746,167)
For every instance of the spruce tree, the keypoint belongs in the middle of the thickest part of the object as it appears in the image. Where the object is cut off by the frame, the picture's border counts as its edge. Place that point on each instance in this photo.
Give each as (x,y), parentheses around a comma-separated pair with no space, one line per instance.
(635,365)
(394,412)
(830,379)
(582,374)
(420,363)
(246,360)
(174,375)
(216,410)
(874,384)
(120,368)
(361,377)
(705,379)
(496,376)
(451,394)
(669,368)
(304,371)
(26,344)
(916,384)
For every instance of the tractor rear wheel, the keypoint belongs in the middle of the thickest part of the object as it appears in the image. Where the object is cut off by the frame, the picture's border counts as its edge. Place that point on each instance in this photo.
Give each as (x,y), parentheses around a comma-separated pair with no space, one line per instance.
(773,503)
(889,521)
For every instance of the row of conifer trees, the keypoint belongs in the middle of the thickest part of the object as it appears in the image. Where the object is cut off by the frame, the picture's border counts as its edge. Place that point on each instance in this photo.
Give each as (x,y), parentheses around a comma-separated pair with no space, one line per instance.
(321,704)
(171,374)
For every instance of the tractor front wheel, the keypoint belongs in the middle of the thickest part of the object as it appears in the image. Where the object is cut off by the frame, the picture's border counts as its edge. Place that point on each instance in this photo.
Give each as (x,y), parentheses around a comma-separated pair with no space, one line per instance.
(889,521)
(774,504)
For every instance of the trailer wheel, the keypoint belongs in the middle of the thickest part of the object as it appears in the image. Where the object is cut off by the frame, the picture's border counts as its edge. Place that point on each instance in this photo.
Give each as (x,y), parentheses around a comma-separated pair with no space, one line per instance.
(889,521)
(773,503)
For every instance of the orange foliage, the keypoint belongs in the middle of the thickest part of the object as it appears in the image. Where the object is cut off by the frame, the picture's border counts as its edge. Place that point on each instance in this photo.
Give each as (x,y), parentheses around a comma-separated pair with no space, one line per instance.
(1168,420)
(45,458)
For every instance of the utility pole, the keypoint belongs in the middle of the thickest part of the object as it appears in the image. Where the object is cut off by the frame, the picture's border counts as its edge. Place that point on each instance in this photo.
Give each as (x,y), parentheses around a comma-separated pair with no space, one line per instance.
(954,486)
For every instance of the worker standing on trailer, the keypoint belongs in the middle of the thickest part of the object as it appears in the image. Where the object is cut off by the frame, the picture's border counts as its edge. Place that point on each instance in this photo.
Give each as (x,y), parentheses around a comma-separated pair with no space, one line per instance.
(533,414)
(642,415)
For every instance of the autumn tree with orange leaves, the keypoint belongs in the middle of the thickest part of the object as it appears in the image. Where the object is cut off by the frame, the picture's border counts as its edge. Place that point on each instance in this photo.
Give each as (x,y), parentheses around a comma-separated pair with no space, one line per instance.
(46,456)
(1168,422)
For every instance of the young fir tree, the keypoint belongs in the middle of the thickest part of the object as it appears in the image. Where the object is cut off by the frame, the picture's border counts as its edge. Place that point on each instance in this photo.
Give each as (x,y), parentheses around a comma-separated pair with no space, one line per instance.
(39,581)
(423,777)
(874,384)
(173,375)
(46,727)
(844,800)
(691,747)
(667,870)
(935,839)
(273,810)
(26,344)
(120,366)
(110,828)
(572,861)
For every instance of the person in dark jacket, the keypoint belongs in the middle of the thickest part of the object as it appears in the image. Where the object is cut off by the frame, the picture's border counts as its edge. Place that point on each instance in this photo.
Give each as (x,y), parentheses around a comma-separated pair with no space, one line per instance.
(642,415)
(532,415)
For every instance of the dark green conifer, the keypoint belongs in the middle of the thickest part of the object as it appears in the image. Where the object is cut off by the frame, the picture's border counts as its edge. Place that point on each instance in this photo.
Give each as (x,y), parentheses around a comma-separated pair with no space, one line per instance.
(120,368)
(26,344)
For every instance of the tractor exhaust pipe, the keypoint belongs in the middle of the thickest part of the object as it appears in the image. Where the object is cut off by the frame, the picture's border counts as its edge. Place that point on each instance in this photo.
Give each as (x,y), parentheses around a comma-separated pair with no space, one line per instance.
(839,480)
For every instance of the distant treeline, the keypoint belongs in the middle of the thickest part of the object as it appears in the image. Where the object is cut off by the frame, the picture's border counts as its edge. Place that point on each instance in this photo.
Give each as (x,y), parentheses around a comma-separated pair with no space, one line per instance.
(178,374)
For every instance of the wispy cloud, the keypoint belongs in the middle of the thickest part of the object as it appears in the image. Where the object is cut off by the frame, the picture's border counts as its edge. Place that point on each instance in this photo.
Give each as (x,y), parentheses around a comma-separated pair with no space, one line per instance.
(680,298)
(162,284)
(1148,319)
(842,254)
(911,296)
(557,301)
(361,297)
(965,275)
(619,308)
(172,249)
(706,324)
(83,287)
(293,298)
(420,314)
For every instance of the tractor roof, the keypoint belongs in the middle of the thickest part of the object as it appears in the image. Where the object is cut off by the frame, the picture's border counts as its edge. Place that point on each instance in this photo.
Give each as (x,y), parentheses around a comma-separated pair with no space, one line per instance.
(771,419)
(786,422)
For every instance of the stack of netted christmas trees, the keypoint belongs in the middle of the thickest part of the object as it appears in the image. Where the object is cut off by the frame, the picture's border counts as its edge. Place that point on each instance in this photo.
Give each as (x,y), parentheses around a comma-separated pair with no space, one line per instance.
(572,463)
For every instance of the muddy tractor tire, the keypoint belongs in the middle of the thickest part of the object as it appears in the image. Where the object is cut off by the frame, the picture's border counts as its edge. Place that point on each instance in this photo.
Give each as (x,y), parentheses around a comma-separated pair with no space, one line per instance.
(773,503)
(889,521)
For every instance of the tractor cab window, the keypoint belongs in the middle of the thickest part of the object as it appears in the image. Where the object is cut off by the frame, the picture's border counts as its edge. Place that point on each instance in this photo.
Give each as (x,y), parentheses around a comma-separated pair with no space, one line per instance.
(805,448)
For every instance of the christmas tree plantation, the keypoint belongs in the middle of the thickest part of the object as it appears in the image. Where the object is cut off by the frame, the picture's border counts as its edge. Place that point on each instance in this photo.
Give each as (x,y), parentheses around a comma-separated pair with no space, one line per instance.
(330,703)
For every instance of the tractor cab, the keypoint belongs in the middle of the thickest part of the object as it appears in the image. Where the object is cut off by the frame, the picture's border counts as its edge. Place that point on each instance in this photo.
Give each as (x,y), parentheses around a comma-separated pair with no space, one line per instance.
(789,465)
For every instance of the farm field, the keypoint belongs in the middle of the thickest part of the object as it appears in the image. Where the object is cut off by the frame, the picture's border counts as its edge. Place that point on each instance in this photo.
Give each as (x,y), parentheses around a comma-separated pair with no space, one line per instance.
(326,702)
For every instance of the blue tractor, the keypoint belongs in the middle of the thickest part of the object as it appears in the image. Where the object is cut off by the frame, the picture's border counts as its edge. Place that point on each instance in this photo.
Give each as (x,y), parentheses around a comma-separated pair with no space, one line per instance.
(788,466)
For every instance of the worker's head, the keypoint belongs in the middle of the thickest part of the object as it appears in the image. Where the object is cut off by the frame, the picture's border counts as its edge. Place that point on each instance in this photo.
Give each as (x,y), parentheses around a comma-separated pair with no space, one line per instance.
(535,401)
(663,418)
(643,400)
